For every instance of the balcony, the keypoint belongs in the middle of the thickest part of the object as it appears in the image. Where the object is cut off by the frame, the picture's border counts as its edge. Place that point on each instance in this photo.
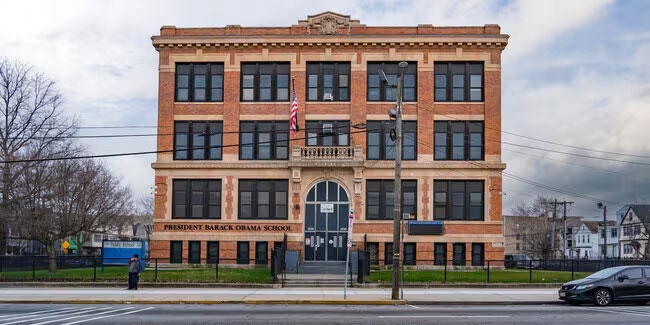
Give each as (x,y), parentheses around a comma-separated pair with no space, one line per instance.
(314,156)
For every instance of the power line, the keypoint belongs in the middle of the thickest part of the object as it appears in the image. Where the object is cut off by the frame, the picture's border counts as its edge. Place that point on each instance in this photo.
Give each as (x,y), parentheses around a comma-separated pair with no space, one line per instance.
(575,154)
(166,151)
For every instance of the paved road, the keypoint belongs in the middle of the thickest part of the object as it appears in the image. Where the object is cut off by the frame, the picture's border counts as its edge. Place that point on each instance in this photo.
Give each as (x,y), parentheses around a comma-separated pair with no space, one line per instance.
(476,295)
(319,314)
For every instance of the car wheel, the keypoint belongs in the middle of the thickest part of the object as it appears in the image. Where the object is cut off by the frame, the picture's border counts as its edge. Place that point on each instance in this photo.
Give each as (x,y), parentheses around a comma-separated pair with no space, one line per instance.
(602,297)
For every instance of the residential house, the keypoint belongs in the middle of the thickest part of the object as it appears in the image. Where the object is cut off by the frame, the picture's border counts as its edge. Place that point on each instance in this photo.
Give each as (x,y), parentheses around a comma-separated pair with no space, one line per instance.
(634,232)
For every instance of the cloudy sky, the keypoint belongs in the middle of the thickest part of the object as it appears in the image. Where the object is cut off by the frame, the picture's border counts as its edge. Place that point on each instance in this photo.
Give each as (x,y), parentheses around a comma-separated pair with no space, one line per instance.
(574,72)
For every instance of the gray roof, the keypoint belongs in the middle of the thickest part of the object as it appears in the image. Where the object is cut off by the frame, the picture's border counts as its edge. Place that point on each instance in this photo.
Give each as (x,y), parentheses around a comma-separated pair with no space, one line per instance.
(642,211)
(592,225)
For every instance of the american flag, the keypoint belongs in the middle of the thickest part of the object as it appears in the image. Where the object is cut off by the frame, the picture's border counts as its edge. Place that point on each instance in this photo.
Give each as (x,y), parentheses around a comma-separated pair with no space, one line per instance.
(293,115)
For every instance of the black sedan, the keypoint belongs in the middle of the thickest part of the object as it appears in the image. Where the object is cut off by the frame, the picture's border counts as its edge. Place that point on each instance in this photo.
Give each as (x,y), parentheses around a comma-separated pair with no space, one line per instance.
(614,284)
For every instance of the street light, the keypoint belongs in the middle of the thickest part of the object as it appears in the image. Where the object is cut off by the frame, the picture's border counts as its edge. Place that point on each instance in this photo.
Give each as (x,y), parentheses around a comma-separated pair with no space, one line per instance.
(604,207)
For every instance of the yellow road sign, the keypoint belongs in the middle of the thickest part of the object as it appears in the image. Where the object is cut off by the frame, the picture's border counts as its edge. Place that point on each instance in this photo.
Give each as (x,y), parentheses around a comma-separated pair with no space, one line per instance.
(66,244)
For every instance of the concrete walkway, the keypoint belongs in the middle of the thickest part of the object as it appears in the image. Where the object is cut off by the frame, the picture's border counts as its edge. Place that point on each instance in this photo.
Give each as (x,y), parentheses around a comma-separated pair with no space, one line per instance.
(285,295)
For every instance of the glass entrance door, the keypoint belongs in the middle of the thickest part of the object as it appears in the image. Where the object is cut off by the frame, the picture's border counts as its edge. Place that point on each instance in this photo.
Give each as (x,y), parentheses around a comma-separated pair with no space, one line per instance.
(326,222)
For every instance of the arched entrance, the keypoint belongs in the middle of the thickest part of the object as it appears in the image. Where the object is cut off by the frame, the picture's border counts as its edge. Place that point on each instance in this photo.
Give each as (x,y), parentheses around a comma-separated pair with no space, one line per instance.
(326,222)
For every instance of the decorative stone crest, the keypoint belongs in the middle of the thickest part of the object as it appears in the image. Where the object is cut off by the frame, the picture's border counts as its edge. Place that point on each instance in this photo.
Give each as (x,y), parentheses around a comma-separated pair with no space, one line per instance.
(328,23)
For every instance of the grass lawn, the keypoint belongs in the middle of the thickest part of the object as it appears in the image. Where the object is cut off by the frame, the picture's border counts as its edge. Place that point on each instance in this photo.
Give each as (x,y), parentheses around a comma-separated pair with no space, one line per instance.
(119,273)
(496,276)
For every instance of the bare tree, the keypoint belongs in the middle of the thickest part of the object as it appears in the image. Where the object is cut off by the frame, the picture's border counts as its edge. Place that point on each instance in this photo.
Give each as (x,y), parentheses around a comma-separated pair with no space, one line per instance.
(539,206)
(31,121)
(537,238)
(66,197)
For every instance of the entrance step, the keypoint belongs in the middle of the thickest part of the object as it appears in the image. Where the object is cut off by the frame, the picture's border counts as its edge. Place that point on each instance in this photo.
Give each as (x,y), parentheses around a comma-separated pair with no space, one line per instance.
(322,268)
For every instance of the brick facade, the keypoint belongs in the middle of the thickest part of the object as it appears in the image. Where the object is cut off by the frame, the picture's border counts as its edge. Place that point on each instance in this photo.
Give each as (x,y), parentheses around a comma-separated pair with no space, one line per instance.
(344,40)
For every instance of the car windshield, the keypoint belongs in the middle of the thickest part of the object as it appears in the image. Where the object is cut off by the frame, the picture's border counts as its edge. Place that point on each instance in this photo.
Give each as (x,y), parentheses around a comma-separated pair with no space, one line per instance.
(606,273)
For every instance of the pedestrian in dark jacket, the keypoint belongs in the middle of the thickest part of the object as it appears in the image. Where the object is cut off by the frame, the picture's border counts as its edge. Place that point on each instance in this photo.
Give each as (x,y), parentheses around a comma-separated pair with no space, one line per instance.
(136,266)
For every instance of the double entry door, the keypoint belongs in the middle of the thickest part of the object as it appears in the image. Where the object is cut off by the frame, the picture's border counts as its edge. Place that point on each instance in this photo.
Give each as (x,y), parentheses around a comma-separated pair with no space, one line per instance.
(326,231)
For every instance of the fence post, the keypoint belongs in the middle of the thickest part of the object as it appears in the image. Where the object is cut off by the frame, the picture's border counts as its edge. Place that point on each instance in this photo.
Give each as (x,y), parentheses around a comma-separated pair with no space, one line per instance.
(94,268)
(572,269)
(530,271)
(216,272)
(33,267)
(216,266)
(155,277)
(445,271)
(488,271)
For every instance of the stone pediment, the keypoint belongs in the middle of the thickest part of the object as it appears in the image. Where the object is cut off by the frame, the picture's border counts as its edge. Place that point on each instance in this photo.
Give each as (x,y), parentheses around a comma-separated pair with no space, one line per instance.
(328,23)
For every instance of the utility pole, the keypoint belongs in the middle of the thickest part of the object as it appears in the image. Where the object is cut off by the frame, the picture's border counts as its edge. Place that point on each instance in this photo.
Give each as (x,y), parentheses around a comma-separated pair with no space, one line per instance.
(397,191)
(604,207)
(553,229)
(564,239)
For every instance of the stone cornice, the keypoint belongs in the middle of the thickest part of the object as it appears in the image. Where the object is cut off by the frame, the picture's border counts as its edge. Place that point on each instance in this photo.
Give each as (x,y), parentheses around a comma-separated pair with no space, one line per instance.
(288,41)
(285,164)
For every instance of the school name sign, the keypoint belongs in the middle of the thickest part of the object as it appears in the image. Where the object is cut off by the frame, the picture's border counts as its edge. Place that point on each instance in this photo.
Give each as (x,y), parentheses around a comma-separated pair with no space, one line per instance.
(227,227)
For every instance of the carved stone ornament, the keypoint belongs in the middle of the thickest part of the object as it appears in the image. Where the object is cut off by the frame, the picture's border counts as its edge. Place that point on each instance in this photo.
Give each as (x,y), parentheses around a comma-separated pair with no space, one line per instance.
(329,23)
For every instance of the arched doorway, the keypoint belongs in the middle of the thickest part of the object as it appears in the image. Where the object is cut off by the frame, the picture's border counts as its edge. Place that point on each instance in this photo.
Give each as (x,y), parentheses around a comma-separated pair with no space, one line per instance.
(326,222)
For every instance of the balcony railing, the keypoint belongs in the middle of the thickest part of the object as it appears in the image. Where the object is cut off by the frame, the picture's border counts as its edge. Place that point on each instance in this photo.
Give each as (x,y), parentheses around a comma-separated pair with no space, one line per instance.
(317,155)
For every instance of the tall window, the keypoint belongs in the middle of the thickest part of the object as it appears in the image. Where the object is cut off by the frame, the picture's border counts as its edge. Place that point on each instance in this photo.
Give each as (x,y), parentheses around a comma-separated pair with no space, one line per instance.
(175,251)
(328,81)
(380,146)
(460,140)
(410,256)
(458,81)
(199,82)
(196,198)
(263,199)
(459,254)
(378,91)
(458,200)
(440,253)
(264,140)
(388,253)
(478,254)
(213,252)
(380,199)
(194,252)
(243,248)
(198,140)
(265,82)
(261,252)
(328,133)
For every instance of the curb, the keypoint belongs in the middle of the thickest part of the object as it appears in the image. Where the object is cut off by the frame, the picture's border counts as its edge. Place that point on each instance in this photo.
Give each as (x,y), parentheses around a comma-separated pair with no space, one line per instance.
(213,302)
(63,284)
(425,285)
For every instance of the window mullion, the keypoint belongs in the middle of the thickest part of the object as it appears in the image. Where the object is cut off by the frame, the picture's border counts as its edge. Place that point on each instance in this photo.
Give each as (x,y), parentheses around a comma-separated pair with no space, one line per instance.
(335,82)
(208,84)
(256,83)
(450,144)
(468,86)
(190,84)
(450,86)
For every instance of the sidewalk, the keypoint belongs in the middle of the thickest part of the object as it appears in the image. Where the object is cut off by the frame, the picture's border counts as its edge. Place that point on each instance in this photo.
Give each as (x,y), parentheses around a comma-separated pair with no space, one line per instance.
(285,295)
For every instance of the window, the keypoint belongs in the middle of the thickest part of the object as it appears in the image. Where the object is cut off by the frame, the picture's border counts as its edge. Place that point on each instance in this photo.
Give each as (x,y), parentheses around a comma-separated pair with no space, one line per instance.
(388,253)
(632,274)
(458,140)
(242,252)
(198,140)
(440,253)
(264,140)
(378,91)
(199,82)
(263,199)
(213,252)
(380,200)
(196,198)
(265,82)
(459,254)
(328,133)
(194,252)
(637,230)
(261,252)
(517,236)
(628,249)
(647,272)
(380,146)
(373,251)
(176,251)
(328,81)
(478,254)
(518,247)
(409,254)
(614,232)
(458,200)
(458,82)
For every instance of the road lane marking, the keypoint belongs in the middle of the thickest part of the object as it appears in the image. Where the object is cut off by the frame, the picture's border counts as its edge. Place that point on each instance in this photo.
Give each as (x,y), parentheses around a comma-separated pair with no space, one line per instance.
(79,316)
(416,307)
(622,311)
(35,312)
(112,315)
(445,316)
(80,311)
(53,313)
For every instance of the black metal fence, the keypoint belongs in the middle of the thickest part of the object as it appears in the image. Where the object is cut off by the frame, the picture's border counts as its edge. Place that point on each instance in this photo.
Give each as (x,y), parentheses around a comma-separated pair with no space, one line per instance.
(94,268)
(493,271)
